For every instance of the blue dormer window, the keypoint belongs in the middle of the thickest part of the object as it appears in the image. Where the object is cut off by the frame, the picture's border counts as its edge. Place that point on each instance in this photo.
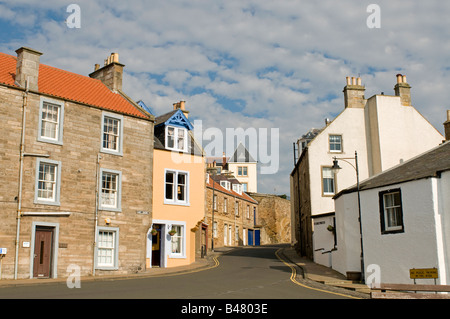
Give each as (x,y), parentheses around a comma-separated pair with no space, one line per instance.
(176,138)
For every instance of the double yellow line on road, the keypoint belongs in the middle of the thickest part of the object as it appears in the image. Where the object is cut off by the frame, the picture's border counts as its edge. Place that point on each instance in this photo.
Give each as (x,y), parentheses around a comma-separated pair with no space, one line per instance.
(294,278)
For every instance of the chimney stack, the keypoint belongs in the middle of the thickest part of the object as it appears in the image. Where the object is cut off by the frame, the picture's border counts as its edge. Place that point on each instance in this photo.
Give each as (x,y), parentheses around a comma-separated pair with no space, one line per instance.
(182,106)
(111,73)
(447,127)
(354,93)
(403,89)
(27,67)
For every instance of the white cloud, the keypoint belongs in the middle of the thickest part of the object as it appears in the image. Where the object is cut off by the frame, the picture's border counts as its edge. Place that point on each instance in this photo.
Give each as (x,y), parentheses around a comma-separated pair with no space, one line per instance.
(284,61)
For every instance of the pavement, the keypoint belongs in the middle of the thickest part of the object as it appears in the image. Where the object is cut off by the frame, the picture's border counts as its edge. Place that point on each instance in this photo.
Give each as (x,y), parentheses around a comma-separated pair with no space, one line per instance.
(310,271)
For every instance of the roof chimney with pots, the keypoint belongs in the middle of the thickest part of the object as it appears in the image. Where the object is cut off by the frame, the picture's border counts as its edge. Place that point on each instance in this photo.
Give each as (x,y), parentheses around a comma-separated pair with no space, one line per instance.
(447,127)
(354,93)
(27,68)
(111,73)
(403,89)
(182,106)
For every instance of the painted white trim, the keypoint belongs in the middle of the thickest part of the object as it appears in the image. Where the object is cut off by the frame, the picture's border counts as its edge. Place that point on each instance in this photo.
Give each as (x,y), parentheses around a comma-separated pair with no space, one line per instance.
(59,138)
(165,241)
(120,118)
(56,201)
(175,201)
(55,244)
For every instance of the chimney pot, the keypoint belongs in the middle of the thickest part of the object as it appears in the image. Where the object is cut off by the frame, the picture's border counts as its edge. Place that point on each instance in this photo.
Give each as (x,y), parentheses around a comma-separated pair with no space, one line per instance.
(403,90)
(447,127)
(354,93)
(27,67)
(111,73)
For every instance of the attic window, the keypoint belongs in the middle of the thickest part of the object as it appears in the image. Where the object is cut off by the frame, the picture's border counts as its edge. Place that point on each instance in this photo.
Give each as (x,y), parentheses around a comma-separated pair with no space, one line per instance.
(176,138)
(225,184)
(237,188)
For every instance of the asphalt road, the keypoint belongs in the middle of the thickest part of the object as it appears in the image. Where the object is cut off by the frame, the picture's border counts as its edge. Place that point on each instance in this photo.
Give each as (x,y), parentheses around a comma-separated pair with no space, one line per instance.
(246,273)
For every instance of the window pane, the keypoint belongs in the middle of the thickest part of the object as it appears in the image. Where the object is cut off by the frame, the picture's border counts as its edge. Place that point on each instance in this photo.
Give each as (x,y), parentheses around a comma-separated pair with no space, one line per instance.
(181,138)
(169,185)
(171,137)
(328,180)
(177,240)
(335,142)
(111,133)
(47,181)
(50,119)
(109,189)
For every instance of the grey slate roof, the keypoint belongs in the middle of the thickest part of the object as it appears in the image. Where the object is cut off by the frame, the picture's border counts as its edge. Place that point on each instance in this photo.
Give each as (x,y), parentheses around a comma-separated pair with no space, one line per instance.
(241,155)
(428,164)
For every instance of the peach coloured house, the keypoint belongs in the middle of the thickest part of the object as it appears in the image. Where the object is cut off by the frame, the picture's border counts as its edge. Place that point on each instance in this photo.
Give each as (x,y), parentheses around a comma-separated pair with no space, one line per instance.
(178,191)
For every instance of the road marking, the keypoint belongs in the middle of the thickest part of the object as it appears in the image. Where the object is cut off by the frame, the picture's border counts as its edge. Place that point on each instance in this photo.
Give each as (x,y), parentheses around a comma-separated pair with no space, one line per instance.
(294,280)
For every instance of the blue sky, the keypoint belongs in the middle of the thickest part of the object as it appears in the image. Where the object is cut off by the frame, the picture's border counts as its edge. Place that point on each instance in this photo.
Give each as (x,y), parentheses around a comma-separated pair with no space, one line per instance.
(251,64)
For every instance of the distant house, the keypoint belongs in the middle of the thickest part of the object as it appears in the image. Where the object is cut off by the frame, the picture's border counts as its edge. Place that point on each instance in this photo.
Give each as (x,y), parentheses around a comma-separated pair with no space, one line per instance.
(76,155)
(404,220)
(241,165)
(178,191)
(232,213)
(383,130)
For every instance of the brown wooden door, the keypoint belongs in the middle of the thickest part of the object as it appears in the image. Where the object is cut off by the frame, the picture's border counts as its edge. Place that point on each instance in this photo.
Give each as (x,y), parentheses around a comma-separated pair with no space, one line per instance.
(42,253)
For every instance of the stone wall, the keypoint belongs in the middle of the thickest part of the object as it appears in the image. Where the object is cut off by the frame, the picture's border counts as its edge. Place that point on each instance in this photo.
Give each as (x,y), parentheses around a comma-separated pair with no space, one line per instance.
(78,159)
(274,218)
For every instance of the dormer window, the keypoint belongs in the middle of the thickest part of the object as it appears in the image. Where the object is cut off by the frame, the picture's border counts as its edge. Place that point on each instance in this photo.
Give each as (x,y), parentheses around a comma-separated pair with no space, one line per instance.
(225,184)
(176,138)
(237,188)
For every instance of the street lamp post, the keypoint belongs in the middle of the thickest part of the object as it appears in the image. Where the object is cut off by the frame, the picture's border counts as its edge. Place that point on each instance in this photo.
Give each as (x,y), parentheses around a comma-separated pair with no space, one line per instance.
(336,169)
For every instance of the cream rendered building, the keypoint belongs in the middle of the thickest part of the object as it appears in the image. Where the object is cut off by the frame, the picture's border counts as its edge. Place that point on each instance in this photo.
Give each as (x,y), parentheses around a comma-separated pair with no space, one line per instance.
(382,131)
(244,167)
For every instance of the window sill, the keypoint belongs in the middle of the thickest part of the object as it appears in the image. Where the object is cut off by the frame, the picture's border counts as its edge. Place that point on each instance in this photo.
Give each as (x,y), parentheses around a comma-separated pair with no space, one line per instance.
(49,141)
(111,152)
(44,202)
(177,203)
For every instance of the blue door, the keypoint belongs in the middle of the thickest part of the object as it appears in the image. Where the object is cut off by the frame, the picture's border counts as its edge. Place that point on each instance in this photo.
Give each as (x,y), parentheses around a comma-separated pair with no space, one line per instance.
(250,237)
(257,239)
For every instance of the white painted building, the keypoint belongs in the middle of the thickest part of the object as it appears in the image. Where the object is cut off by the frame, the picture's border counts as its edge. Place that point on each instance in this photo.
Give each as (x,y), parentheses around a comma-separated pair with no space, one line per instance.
(405,219)
(384,130)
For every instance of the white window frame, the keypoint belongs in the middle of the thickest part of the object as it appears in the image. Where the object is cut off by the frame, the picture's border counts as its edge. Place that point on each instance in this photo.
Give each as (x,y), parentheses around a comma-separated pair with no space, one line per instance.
(215,229)
(114,265)
(119,148)
(225,205)
(215,201)
(386,214)
(118,206)
(225,184)
(236,208)
(175,200)
(335,143)
(241,170)
(57,183)
(333,178)
(182,236)
(59,125)
(176,130)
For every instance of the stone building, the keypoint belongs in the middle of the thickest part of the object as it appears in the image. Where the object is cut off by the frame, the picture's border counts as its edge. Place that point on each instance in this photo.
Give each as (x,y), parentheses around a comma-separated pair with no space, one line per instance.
(231,212)
(274,218)
(76,166)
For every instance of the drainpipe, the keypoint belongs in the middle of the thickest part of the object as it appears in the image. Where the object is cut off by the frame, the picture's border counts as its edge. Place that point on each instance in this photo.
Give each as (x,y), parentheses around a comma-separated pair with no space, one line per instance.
(96,211)
(19,201)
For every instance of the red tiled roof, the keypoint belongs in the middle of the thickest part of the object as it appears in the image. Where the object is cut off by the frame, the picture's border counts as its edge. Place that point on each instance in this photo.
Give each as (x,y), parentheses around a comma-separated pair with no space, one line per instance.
(218,187)
(71,86)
